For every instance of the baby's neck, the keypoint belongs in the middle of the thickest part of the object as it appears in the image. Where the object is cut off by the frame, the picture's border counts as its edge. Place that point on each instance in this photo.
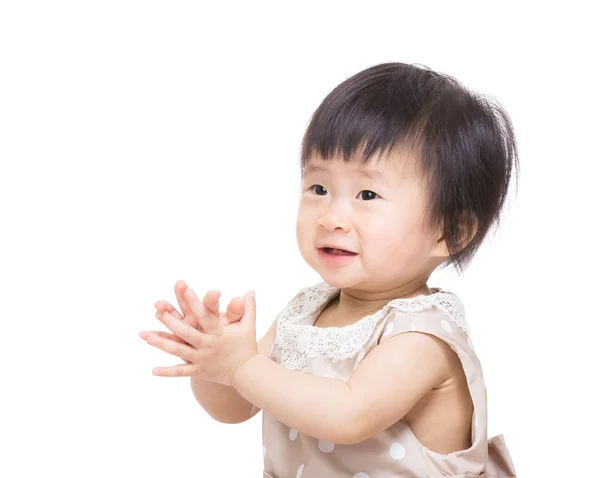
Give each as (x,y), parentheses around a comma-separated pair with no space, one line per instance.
(358,303)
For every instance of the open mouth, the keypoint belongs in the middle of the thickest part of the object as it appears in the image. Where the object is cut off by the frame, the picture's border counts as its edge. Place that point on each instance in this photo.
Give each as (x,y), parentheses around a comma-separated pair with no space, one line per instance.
(337,252)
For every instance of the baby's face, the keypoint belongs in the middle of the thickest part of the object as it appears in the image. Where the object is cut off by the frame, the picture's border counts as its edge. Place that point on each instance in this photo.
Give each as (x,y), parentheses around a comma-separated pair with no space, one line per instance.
(380,218)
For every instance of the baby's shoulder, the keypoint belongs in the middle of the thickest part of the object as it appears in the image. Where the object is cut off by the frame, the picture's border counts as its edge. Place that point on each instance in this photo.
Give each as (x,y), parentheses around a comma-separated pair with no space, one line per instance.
(440,314)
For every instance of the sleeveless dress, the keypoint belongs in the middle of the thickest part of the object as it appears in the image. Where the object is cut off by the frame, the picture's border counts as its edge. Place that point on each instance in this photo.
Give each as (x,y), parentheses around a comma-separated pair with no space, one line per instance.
(336,352)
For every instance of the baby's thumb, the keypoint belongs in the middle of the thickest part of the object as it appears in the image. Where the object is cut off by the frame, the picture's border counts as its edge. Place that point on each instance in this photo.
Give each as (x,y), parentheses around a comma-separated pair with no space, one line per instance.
(250,306)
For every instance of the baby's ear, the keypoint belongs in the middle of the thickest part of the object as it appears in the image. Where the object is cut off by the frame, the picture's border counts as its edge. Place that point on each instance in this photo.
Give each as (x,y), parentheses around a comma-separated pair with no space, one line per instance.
(468,228)
(467,231)
(440,249)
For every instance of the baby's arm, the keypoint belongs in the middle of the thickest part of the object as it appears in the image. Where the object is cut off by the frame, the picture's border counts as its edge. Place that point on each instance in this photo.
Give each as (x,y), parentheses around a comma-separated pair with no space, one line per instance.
(384,387)
(224,403)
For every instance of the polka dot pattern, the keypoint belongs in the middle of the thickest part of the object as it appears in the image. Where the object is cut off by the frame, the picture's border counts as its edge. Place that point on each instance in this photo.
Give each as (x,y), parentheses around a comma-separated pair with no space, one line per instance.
(361,475)
(293,434)
(446,326)
(300,470)
(264,451)
(397,451)
(326,446)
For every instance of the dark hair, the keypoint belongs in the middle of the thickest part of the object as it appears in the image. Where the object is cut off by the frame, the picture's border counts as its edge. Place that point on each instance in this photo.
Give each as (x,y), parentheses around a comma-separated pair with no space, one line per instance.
(464,141)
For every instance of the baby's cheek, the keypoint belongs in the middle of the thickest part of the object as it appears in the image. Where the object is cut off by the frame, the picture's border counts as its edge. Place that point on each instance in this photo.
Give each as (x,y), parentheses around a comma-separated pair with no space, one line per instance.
(393,249)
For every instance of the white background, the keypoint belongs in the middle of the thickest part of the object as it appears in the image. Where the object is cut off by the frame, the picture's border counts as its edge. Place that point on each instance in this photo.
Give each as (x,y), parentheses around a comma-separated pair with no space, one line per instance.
(146,142)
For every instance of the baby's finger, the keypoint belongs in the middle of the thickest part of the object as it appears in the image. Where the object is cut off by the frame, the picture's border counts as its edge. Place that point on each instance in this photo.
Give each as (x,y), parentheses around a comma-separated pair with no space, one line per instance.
(191,335)
(180,288)
(183,351)
(192,322)
(211,302)
(187,370)
(189,320)
(165,335)
(163,305)
(147,334)
(207,320)
(235,310)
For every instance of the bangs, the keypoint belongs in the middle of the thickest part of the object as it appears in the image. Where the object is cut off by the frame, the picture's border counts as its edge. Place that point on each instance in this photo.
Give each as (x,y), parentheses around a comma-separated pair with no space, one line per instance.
(368,115)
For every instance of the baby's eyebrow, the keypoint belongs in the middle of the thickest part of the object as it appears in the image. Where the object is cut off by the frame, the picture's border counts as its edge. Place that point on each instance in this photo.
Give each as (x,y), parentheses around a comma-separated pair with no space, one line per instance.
(371,174)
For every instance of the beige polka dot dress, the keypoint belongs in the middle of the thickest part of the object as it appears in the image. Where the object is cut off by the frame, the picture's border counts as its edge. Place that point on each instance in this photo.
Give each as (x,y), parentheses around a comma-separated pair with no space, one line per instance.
(336,352)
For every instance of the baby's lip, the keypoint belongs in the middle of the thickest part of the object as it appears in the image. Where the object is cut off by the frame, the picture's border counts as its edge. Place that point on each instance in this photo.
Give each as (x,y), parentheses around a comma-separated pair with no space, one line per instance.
(332,246)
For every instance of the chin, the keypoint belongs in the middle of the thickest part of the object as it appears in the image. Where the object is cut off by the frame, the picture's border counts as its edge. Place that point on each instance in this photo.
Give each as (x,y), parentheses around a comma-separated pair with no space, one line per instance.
(337,280)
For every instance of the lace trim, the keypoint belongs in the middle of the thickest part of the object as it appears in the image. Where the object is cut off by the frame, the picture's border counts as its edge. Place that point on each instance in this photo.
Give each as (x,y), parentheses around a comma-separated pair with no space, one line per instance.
(301,343)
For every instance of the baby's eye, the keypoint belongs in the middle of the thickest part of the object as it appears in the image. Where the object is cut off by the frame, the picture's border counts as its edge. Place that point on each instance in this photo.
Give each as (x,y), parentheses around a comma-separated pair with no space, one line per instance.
(371,196)
(367,191)
(316,186)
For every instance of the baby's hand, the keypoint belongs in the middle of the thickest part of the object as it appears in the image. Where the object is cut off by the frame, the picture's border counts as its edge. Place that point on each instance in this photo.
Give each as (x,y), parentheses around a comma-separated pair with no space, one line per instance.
(234,312)
(215,352)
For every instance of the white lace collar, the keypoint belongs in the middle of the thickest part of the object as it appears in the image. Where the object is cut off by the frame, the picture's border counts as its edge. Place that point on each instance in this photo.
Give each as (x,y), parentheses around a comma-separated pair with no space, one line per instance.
(300,343)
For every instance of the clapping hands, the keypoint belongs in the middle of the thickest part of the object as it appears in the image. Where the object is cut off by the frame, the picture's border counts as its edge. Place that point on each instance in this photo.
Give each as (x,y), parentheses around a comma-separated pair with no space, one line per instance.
(212,344)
